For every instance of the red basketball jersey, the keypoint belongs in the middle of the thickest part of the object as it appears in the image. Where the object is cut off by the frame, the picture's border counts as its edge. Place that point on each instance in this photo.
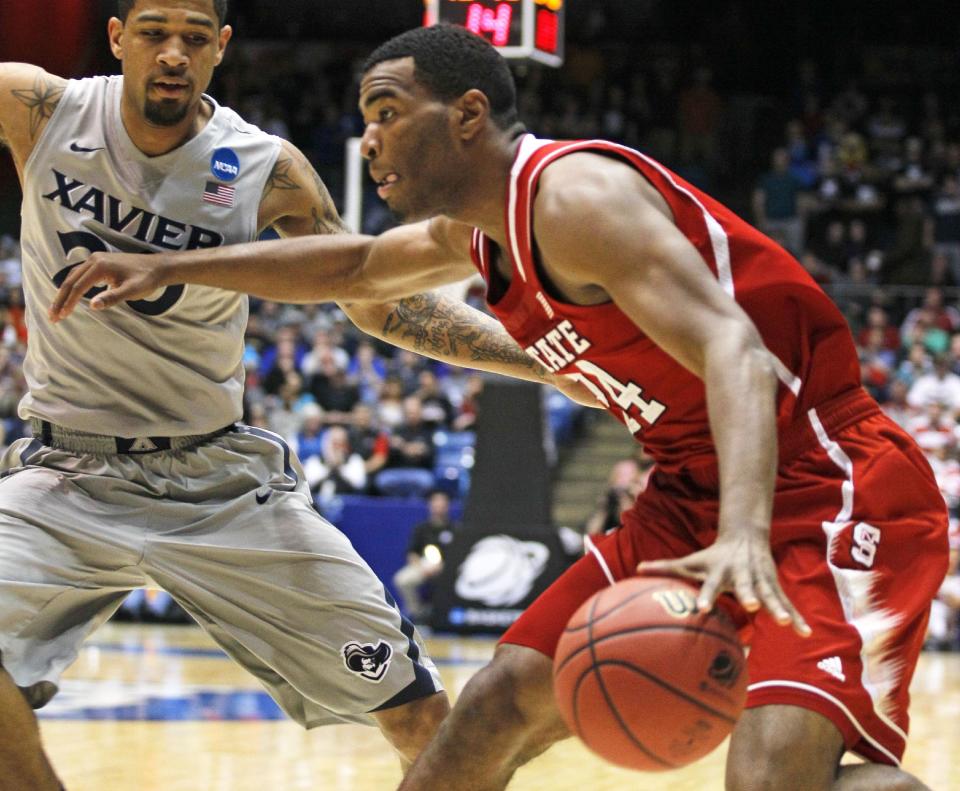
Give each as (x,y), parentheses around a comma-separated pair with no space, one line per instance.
(660,401)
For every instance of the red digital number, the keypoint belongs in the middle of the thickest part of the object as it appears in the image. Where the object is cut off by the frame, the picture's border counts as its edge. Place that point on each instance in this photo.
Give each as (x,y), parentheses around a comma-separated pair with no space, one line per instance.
(547,30)
(482,20)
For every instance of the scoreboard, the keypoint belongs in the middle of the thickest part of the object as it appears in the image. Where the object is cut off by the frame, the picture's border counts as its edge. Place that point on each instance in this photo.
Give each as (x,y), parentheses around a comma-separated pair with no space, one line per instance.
(528,29)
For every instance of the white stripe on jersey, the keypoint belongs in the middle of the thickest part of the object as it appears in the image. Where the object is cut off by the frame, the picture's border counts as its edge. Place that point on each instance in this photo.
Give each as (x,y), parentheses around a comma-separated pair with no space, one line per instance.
(881,675)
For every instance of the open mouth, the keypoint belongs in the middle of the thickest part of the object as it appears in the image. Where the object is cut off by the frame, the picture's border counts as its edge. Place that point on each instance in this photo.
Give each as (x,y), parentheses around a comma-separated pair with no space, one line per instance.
(170,88)
(385,185)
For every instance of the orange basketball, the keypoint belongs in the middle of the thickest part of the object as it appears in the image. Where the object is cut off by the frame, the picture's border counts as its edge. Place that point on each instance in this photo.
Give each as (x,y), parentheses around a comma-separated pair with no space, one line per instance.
(645,679)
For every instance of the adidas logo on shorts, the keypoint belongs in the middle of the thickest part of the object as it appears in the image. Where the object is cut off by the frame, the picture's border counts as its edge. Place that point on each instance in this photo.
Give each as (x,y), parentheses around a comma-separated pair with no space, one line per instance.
(832,666)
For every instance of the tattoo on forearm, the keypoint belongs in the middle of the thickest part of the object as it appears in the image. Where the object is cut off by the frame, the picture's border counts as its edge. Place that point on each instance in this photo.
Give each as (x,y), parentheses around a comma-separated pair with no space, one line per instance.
(446,328)
(280,178)
(42,99)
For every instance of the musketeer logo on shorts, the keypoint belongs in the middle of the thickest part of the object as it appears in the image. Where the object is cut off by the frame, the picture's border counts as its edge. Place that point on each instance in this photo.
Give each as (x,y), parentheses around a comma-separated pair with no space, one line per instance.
(501,570)
(368,660)
(225,164)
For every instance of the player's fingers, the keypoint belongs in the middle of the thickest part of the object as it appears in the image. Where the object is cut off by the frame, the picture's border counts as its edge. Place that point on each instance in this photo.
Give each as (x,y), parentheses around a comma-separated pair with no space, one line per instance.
(743,589)
(709,592)
(798,622)
(772,601)
(71,290)
(677,568)
(113,295)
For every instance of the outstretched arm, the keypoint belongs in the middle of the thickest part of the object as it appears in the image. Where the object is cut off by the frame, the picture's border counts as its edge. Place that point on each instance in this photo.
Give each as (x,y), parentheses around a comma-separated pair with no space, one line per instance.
(296,203)
(367,276)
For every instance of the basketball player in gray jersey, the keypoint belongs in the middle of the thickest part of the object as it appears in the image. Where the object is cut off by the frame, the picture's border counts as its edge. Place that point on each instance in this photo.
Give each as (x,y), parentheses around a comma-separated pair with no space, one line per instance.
(138,473)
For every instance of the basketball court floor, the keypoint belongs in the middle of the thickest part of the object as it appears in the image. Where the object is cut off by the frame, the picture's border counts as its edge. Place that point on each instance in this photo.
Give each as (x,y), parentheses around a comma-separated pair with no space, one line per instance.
(160,708)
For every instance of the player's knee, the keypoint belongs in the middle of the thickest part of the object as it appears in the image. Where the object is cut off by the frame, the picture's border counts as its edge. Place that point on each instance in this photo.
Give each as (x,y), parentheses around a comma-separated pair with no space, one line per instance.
(516,688)
(776,764)
(410,727)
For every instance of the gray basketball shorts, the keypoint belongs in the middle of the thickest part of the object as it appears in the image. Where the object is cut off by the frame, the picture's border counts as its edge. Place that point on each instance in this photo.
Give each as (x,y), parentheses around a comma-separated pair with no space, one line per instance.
(227,527)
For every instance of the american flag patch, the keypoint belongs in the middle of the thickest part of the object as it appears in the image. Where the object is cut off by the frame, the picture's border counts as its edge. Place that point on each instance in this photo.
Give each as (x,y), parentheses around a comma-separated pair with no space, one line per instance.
(221,194)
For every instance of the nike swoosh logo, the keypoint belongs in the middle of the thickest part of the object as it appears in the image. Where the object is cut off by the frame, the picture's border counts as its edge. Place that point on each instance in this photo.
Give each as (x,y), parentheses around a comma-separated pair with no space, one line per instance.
(81,150)
(262,498)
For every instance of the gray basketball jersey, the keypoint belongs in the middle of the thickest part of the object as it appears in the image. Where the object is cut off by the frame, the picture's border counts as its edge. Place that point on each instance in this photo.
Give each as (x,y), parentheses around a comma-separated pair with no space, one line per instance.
(169,364)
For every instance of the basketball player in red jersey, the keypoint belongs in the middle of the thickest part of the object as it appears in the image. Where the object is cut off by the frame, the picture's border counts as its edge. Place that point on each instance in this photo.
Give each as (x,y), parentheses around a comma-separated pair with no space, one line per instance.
(778,479)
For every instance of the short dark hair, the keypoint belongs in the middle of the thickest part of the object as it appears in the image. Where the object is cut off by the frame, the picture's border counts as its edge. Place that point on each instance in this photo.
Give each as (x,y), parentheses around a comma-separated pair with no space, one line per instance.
(449,61)
(124,7)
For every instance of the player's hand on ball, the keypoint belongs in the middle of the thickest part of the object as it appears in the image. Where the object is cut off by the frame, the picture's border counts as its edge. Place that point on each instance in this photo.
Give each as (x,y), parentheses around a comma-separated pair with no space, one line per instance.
(125,276)
(741,565)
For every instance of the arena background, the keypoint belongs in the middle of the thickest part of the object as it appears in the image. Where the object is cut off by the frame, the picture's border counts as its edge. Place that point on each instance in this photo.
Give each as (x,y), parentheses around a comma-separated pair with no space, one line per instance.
(861,97)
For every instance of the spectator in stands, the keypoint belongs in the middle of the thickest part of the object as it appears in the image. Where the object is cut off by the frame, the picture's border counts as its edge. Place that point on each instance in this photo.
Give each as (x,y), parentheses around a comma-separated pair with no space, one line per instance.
(406,366)
(943,228)
(367,371)
(337,470)
(283,355)
(699,113)
(938,314)
(916,363)
(939,386)
(626,480)
(389,409)
(279,361)
(409,470)
(310,437)
(907,261)
(333,391)
(469,404)
(425,554)
(438,412)
(776,203)
(923,331)
(942,633)
(913,177)
(876,364)
(896,406)
(323,347)
(283,409)
(879,319)
(832,247)
(368,440)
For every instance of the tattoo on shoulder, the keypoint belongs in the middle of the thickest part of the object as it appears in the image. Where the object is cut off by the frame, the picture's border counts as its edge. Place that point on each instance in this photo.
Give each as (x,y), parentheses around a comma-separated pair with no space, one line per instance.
(42,99)
(280,177)
(450,329)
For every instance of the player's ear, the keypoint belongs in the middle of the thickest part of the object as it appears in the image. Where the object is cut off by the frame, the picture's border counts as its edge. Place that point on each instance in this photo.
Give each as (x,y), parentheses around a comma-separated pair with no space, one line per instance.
(115,34)
(226,32)
(473,110)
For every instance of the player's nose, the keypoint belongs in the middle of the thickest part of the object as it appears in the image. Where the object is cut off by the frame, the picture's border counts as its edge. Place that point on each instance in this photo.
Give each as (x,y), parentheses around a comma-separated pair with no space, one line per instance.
(369,144)
(174,54)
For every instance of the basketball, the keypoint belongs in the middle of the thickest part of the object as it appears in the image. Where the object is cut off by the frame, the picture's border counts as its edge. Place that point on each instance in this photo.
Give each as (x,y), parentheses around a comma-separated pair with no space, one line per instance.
(646,680)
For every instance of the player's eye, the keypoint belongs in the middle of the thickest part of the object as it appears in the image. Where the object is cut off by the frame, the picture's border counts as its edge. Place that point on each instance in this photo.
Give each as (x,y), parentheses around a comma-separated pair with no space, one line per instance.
(197,41)
(385,114)
(151,33)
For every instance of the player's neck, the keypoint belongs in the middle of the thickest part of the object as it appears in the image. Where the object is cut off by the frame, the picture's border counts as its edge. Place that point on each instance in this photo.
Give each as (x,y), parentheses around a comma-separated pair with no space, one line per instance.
(155,140)
(487,190)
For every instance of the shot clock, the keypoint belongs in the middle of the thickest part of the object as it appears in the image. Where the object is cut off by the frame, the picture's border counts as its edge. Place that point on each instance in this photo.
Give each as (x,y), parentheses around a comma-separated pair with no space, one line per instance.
(530,29)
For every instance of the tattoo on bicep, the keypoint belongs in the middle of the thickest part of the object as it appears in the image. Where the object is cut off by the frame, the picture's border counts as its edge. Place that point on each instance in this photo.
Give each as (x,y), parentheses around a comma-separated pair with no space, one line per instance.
(326,220)
(445,328)
(42,99)
(280,178)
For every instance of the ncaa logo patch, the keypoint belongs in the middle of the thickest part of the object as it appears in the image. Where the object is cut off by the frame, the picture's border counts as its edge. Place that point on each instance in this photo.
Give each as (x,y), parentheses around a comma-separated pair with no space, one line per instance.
(367,660)
(225,164)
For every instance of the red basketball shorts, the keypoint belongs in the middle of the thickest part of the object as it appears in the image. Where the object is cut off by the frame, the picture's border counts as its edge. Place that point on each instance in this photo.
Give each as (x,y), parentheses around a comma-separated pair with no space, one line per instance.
(860,539)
